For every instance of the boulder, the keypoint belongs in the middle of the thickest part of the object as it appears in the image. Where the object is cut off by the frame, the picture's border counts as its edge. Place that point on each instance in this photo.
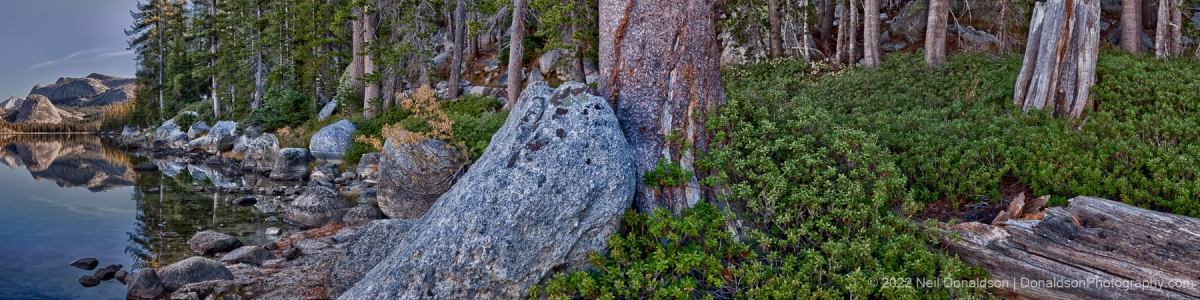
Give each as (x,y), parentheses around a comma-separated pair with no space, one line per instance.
(412,177)
(145,285)
(108,272)
(550,189)
(121,275)
(324,172)
(315,207)
(197,129)
(89,281)
(209,243)
(253,255)
(245,201)
(86,263)
(909,23)
(291,164)
(368,165)
(361,215)
(974,39)
(165,130)
(220,138)
(192,270)
(327,110)
(205,289)
(373,244)
(38,109)
(549,60)
(332,141)
(261,153)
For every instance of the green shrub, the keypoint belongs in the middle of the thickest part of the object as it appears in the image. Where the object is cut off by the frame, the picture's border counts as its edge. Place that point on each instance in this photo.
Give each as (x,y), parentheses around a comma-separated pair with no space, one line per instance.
(285,108)
(475,120)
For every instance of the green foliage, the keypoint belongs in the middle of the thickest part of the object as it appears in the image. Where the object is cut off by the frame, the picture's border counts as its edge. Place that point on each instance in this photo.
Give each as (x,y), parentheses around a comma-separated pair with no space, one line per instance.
(475,120)
(666,174)
(285,108)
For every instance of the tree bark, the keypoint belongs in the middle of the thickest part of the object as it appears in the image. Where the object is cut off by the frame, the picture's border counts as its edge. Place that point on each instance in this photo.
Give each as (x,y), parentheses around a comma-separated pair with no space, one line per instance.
(1176,43)
(460,41)
(775,34)
(516,49)
(935,33)
(852,35)
(212,62)
(1131,26)
(827,34)
(371,94)
(1162,30)
(1091,240)
(871,33)
(1060,57)
(659,65)
(840,54)
(359,61)
(580,74)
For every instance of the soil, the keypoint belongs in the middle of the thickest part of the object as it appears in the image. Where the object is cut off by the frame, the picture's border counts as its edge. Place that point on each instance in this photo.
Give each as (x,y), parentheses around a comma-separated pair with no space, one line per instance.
(963,210)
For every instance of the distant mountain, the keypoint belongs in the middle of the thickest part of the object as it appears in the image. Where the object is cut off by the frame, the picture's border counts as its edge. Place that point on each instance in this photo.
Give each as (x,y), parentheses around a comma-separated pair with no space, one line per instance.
(38,109)
(95,89)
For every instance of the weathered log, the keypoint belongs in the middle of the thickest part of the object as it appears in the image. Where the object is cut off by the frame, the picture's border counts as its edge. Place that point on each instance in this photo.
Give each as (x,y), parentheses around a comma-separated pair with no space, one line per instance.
(1093,249)
(1060,57)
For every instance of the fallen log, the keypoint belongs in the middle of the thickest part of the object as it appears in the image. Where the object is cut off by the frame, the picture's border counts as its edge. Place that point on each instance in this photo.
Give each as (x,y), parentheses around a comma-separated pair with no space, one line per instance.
(1060,57)
(1092,249)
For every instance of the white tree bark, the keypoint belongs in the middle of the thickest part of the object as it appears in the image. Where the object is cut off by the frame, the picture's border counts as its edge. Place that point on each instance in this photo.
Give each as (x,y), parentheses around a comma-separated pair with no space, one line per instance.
(1060,57)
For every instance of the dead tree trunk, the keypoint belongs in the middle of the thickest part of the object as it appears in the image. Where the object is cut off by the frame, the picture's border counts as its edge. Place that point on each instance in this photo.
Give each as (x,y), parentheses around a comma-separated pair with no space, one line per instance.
(1101,249)
(852,35)
(1131,26)
(356,45)
(840,55)
(516,49)
(372,91)
(775,33)
(460,40)
(871,55)
(1060,57)
(935,33)
(659,65)
(1167,33)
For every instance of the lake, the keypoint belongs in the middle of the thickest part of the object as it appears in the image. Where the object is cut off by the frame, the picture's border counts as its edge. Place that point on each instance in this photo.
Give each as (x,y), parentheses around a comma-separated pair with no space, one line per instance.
(66,197)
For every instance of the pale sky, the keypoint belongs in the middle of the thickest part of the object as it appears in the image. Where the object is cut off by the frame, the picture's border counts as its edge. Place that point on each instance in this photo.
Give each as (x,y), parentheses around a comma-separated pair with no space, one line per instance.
(42,40)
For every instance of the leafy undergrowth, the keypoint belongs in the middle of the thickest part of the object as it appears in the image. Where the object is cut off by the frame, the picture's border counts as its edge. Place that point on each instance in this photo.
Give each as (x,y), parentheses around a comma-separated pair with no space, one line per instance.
(474,118)
(820,170)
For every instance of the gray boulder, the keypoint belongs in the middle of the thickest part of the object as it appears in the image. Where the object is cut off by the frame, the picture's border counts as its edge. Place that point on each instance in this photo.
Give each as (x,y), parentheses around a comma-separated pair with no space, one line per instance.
(373,243)
(86,263)
(412,177)
(192,270)
(220,138)
(548,60)
(165,130)
(291,164)
(315,207)
(910,21)
(261,153)
(327,110)
(550,188)
(324,172)
(975,39)
(209,243)
(368,165)
(197,129)
(361,215)
(144,285)
(332,141)
(253,255)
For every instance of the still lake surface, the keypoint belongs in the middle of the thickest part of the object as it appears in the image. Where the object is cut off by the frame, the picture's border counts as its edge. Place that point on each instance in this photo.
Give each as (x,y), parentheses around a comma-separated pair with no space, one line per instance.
(66,197)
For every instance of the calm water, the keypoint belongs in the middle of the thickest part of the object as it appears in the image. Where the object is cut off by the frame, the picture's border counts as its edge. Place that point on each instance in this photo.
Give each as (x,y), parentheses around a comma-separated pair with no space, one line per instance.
(67,197)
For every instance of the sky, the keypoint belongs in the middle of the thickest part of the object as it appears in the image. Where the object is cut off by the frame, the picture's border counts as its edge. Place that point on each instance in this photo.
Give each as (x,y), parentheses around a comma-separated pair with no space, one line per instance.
(42,40)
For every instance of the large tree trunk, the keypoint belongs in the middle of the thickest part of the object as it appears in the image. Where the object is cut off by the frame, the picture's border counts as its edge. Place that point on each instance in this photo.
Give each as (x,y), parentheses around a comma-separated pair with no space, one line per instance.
(935,33)
(460,41)
(212,62)
(840,55)
(659,65)
(871,33)
(1060,57)
(1176,43)
(1167,33)
(580,74)
(356,44)
(1131,26)
(775,34)
(827,34)
(1105,244)
(371,94)
(852,35)
(516,49)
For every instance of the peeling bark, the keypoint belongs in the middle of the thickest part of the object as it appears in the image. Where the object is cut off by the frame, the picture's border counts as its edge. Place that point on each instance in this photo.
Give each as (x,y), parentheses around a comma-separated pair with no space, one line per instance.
(1060,58)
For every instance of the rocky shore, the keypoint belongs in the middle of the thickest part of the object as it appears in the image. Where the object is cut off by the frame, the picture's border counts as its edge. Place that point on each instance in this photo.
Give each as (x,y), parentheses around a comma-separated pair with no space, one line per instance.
(549,189)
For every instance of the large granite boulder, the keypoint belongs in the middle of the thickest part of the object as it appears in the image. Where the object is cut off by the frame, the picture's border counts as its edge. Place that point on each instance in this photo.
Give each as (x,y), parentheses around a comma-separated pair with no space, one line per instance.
(327,110)
(261,153)
(291,164)
(166,130)
(253,255)
(412,177)
(192,270)
(198,128)
(209,243)
(38,109)
(332,141)
(361,215)
(368,165)
(371,245)
(910,21)
(317,206)
(220,138)
(144,285)
(550,188)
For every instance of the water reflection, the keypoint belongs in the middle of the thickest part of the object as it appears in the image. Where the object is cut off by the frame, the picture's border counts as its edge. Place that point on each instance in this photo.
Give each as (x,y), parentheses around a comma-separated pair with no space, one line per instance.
(87,212)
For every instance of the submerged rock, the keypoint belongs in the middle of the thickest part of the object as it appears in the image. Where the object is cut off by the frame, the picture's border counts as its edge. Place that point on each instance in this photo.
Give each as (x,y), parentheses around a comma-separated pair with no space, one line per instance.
(89,281)
(86,263)
(551,187)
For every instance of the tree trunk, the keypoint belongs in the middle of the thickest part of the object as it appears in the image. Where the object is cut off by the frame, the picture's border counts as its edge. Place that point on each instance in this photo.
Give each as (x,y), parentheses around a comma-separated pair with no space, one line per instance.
(1060,57)
(1176,43)
(1131,26)
(659,65)
(1162,30)
(852,35)
(371,94)
(212,62)
(460,41)
(359,61)
(871,33)
(516,49)
(389,91)
(935,33)
(840,54)
(776,34)
(827,35)
(580,74)
(1105,243)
